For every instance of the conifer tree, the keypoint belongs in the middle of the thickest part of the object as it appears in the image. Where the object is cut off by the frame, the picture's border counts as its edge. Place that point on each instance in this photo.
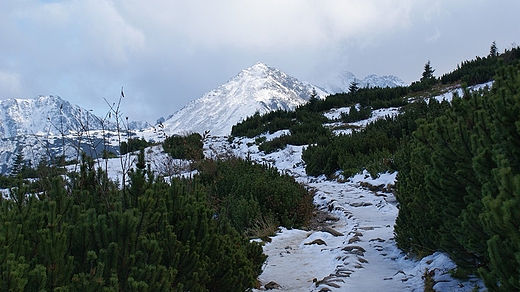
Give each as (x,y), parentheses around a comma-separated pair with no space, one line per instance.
(314,94)
(19,163)
(427,75)
(502,188)
(493,50)
(353,87)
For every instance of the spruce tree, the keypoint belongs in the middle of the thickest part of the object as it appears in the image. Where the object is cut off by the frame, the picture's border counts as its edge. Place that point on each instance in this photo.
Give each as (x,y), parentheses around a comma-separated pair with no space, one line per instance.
(427,75)
(18,164)
(493,50)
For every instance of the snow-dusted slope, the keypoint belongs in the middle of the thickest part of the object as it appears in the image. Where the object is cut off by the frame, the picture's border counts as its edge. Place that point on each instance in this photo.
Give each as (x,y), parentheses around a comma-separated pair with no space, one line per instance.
(341,82)
(43,115)
(48,126)
(258,88)
(49,115)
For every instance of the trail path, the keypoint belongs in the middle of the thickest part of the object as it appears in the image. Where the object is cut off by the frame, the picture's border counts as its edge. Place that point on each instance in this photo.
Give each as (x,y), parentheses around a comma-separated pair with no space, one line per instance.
(354,250)
(363,258)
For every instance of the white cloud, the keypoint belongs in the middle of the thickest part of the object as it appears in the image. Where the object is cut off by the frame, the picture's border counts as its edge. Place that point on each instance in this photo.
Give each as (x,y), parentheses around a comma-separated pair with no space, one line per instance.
(267,24)
(168,52)
(89,30)
(109,37)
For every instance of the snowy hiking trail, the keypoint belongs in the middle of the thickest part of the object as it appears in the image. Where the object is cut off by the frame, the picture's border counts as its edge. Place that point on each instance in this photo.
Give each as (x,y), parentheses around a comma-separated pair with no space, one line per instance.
(362,258)
(354,249)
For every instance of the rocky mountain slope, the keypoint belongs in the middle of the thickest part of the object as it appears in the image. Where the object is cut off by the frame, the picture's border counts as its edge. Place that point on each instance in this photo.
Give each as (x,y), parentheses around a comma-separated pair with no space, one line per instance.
(259,88)
(43,115)
(341,82)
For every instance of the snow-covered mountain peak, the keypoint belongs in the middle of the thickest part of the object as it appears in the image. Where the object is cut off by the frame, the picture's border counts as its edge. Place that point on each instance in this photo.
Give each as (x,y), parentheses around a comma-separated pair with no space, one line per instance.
(342,81)
(44,115)
(373,80)
(258,69)
(259,88)
(258,80)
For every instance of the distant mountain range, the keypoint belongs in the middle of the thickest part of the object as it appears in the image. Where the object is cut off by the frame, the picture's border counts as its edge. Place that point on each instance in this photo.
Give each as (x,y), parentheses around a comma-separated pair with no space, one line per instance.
(43,115)
(49,126)
(341,82)
(50,115)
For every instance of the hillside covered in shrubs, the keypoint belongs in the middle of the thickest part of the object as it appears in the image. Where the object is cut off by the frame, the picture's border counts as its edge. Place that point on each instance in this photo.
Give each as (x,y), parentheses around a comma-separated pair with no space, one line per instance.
(83,232)
(457,161)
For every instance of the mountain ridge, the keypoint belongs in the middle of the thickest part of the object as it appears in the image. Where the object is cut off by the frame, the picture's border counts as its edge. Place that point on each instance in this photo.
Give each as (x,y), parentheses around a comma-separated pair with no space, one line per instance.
(259,88)
(45,114)
(342,81)
(49,115)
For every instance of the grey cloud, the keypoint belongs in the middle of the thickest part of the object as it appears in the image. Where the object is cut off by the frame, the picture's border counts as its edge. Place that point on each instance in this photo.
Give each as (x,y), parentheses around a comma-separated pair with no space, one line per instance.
(167,53)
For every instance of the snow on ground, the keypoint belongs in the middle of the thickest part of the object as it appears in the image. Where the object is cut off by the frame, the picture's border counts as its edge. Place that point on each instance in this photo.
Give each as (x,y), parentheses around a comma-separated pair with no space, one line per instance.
(448,95)
(362,255)
(354,249)
(335,114)
(378,114)
(338,127)
(159,161)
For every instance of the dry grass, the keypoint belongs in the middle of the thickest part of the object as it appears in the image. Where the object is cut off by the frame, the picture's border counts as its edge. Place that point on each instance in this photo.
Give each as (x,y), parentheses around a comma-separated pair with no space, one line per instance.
(429,282)
(263,227)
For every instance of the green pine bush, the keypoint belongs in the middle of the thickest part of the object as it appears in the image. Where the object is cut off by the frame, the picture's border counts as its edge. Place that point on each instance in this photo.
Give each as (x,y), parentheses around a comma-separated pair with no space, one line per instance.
(86,234)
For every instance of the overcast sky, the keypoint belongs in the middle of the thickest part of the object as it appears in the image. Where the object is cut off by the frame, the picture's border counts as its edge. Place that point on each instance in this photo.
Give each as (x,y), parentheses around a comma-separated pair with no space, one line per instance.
(166,53)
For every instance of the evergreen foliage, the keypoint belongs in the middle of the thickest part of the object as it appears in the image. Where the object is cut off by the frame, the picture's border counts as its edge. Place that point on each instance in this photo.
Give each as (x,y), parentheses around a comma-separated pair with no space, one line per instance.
(244,193)
(427,75)
(493,50)
(374,97)
(427,81)
(481,69)
(460,191)
(305,124)
(354,114)
(184,147)
(91,236)
(133,144)
(40,175)
(19,164)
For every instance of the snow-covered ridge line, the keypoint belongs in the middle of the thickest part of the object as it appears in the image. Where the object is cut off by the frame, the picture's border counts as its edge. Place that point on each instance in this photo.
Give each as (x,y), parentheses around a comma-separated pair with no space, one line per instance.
(342,81)
(48,115)
(259,88)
